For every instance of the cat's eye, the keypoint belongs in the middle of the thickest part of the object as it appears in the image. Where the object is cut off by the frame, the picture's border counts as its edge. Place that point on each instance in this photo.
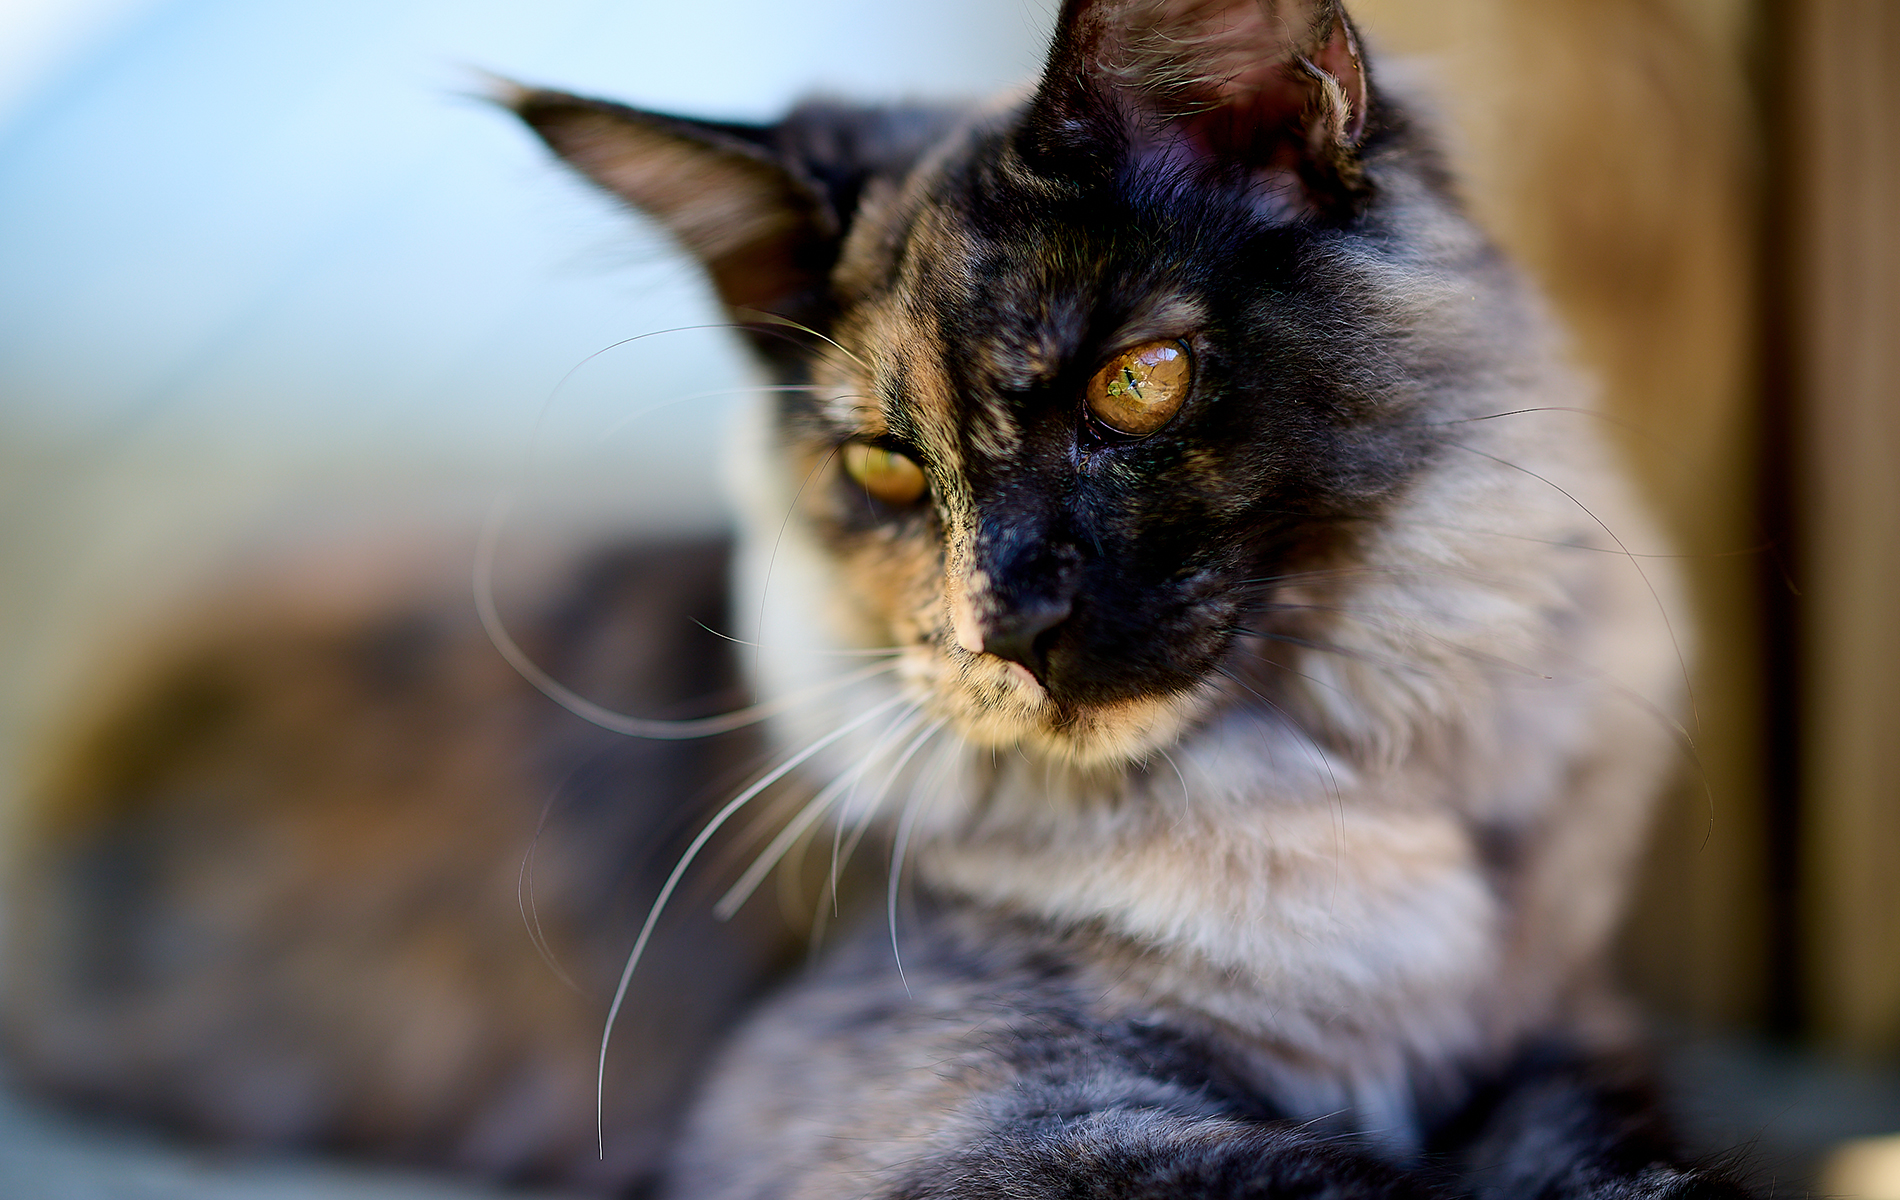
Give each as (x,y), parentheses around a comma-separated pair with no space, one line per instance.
(1142,388)
(891,477)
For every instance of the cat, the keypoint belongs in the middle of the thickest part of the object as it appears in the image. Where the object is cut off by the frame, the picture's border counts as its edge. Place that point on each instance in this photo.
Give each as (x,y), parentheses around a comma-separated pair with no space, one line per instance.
(1152,535)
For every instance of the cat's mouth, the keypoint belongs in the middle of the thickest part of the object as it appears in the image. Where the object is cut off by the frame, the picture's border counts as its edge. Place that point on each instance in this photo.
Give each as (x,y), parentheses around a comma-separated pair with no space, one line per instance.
(999,704)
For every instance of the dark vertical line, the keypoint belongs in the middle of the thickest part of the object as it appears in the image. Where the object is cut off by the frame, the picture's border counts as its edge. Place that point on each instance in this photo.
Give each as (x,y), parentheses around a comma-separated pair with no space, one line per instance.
(1778,504)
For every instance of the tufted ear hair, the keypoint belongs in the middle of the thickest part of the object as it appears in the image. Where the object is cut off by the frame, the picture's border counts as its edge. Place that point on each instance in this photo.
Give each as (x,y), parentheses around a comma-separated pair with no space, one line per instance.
(764,208)
(764,229)
(1270,92)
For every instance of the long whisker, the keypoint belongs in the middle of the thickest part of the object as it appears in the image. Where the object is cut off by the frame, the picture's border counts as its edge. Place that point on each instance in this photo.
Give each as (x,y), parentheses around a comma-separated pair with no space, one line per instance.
(1351,652)
(756,316)
(1248,631)
(1419,572)
(870,810)
(791,894)
(1321,574)
(1332,777)
(791,510)
(524,898)
(1606,418)
(484,567)
(794,829)
(1390,622)
(884,787)
(873,652)
(1676,730)
(905,825)
(710,394)
(1387,519)
(900,847)
(547,402)
(1682,660)
(606,718)
(864,823)
(1187,800)
(672,882)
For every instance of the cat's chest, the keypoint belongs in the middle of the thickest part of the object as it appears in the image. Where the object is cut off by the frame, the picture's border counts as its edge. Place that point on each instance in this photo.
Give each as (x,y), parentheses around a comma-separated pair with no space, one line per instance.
(1345,951)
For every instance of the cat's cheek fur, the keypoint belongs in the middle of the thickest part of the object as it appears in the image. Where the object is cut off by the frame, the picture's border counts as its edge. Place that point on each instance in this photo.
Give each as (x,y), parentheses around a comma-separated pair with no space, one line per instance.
(898,587)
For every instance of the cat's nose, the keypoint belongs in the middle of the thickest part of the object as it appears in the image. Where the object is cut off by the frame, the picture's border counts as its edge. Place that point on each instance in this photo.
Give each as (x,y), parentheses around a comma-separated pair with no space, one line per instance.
(1019,634)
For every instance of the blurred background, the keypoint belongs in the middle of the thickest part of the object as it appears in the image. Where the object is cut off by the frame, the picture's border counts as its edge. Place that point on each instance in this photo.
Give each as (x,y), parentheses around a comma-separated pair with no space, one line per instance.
(269,277)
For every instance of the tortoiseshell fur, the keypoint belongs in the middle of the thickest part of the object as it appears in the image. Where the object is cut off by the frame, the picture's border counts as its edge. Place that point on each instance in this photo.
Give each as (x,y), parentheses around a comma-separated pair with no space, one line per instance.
(1259,793)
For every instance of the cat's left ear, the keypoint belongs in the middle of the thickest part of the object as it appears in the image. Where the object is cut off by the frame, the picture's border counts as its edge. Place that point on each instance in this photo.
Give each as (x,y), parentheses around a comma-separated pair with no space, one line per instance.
(765,232)
(1273,91)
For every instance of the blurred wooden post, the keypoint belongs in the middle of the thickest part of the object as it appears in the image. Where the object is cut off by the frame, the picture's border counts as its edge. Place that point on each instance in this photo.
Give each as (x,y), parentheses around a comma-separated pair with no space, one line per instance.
(1842,245)
(1614,147)
(1609,145)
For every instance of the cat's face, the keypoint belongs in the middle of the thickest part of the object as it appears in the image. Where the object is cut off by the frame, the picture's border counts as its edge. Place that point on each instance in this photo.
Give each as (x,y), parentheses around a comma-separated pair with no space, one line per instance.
(1121,408)
(1093,379)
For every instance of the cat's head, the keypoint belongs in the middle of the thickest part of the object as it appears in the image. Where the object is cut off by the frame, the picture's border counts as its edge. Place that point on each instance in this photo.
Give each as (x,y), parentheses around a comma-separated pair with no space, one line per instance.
(1097,375)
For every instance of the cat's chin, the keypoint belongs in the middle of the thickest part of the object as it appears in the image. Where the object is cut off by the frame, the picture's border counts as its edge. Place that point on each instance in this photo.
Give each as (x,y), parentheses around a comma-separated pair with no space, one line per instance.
(1000,706)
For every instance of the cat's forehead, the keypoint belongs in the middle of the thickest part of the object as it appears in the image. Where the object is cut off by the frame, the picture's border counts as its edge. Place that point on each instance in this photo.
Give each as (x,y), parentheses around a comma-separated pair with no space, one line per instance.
(969,312)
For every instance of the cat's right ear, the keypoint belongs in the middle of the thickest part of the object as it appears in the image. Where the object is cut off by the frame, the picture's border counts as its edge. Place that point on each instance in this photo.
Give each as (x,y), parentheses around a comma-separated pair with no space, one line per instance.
(765,233)
(1273,92)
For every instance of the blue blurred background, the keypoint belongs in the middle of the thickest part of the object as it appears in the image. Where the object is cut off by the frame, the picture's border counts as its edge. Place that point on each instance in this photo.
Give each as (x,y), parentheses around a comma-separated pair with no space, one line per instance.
(269,271)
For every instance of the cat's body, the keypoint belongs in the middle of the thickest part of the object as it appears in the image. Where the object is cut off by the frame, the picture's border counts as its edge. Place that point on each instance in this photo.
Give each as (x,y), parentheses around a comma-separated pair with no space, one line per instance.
(1263,703)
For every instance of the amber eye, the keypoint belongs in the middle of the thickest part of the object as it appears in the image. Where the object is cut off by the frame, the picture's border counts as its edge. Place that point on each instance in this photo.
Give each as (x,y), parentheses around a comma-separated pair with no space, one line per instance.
(889,476)
(1137,392)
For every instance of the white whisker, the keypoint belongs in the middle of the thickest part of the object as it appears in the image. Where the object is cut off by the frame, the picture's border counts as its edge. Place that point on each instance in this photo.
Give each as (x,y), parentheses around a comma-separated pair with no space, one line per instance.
(870,811)
(873,652)
(814,808)
(647,410)
(759,317)
(672,881)
(791,510)
(547,402)
(600,715)
(1662,610)
(900,846)
(1187,799)
(530,911)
